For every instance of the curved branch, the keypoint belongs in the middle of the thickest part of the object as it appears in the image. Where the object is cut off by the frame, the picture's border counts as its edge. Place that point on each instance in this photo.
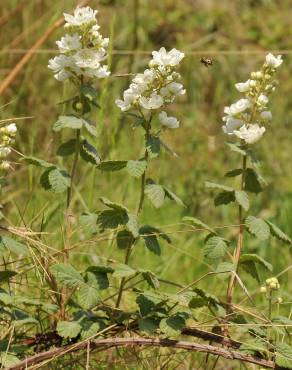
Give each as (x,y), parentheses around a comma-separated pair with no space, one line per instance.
(139,341)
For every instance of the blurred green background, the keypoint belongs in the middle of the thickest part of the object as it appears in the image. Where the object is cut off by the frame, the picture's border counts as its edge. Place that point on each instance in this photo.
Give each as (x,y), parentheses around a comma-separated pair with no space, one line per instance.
(236,35)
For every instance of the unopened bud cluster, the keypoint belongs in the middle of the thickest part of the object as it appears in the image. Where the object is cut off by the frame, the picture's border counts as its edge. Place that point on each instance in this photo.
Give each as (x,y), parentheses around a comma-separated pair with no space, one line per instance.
(245,118)
(7,136)
(271,284)
(82,48)
(156,87)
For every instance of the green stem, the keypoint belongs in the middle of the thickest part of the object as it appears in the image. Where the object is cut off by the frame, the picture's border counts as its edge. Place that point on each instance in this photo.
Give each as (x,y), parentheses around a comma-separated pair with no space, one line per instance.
(237,252)
(74,166)
(140,207)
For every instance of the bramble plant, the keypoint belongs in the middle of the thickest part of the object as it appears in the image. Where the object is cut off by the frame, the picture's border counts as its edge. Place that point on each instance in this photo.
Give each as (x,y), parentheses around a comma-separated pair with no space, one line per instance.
(101,305)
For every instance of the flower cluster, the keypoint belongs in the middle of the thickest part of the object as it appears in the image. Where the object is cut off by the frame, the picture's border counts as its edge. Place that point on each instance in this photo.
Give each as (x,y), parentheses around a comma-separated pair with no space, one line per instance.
(7,135)
(156,87)
(245,118)
(271,284)
(82,48)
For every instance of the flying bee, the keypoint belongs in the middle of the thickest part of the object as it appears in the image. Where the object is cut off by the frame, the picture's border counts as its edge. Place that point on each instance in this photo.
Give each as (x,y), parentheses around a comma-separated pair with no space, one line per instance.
(206,61)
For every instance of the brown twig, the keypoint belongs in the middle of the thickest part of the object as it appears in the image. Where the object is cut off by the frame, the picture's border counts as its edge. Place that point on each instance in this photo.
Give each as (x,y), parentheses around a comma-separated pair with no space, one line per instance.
(25,59)
(139,341)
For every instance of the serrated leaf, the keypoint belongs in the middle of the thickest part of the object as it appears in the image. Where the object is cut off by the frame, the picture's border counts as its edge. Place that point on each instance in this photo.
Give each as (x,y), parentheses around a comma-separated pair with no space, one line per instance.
(257,227)
(90,328)
(148,325)
(251,268)
(113,205)
(112,218)
(132,225)
(171,195)
(213,185)
(136,168)
(147,303)
(88,296)
(38,162)
(96,276)
(68,329)
(172,326)
(215,248)
(284,355)
(242,199)
(89,92)
(59,180)
(252,183)
(13,245)
(89,153)
(72,122)
(121,271)
(124,239)
(148,234)
(8,359)
(199,223)
(257,259)
(67,148)
(278,233)
(155,194)
(67,275)
(153,146)
(151,279)
(112,166)
(90,127)
(224,269)
(225,197)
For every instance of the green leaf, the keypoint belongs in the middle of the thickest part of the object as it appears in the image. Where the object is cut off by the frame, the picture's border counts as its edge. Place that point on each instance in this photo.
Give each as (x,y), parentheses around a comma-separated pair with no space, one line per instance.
(169,194)
(153,146)
(68,329)
(257,259)
(113,205)
(150,278)
(8,359)
(252,183)
(237,148)
(6,275)
(156,194)
(136,168)
(148,233)
(122,271)
(234,173)
(284,355)
(172,326)
(278,233)
(90,328)
(89,153)
(88,296)
(148,303)
(132,225)
(225,197)
(89,92)
(124,239)
(213,185)
(38,162)
(67,275)
(90,127)
(199,223)
(67,148)
(96,276)
(88,222)
(257,227)
(242,199)
(215,248)
(59,180)
(72,122)
(224,269)
(13,246)
(206,299)
(112,218)
(148,325)
(112,166)
(251,268)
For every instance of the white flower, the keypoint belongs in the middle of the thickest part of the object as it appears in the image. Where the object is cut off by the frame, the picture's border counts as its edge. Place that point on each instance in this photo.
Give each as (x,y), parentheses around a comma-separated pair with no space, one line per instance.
(69,43)
(266,115)
(250,133)
(88,58)
(243,86)
(174,88)
(231,125)
(170,122)
(155,101)
(62,66)
(263,99)
(164,58)
(273,61)
(81,17)
(4,151)
(11,128)
(5,165)
(128,101)
(240,106)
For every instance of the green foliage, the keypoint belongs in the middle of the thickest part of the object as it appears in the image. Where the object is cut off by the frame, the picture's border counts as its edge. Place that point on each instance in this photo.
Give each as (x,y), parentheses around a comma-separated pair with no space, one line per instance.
(68,329)
(111,166)
(156,194)
(242,199)
(89,153)
(136,168)
(284,355)
(12,246)
(153,146)
(257,227)
(199,223)
(150,236)
(67,148)
(252,181)
(75,123)
(215,248)
(225,197)
(249,263)
(278,233)
(67,275)
(173,325)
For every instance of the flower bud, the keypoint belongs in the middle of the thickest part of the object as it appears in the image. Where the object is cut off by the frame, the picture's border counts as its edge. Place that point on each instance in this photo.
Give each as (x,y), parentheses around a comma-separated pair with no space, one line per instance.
(263,289)
(5,165)
(78,106)
(279,300)
(267,76)
(259,75)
